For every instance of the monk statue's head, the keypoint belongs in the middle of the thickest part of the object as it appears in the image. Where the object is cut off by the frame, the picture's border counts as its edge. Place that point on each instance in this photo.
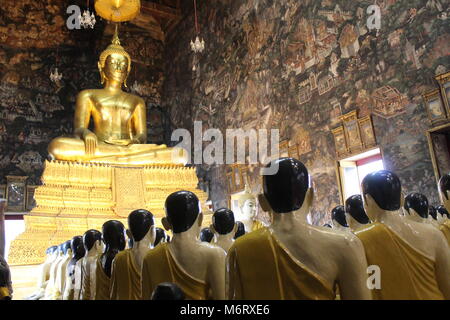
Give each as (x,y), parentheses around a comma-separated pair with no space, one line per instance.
(223,221)
(183,212)
(432,213)
(206,235)
(355,213)
(416,204)
(168,291)
(247,204)
(113,235)
(92,239)
(444,190)
(65,247)
(442,214)
(338,217)
(382,191)
(76,244)
(114,63)
(141,226)
(288,189)
(240,230)
(160,236)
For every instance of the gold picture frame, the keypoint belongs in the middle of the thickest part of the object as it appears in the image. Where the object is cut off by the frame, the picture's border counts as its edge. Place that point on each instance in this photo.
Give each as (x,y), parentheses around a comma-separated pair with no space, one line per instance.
(340,141)
(367,132)
(16,193)
(444,84)
(351,131)
(435,108)
(30,202)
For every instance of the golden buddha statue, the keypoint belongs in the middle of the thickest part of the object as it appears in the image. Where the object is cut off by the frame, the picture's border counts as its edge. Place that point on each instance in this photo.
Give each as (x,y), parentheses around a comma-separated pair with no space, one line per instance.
(120,127)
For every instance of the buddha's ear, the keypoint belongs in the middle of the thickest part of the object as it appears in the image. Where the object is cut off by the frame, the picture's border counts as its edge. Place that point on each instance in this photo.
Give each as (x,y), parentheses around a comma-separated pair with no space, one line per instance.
(166,224)
(102,74)
(264,203)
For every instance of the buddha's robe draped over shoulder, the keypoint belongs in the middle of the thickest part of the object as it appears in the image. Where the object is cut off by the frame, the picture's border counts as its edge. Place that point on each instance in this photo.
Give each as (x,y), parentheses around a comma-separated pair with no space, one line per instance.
(445,229)
(260,268)
(125,277)
(160,266)
(102,283)
(406,274)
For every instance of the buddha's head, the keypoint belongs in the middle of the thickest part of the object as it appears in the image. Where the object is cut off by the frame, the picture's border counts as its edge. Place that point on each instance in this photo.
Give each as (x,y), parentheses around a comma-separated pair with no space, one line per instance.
(444,190)
(416,204)
(141,225)
(92,240)
(114,63)
(354,209)
(183,212)
(382,191)
(247,204)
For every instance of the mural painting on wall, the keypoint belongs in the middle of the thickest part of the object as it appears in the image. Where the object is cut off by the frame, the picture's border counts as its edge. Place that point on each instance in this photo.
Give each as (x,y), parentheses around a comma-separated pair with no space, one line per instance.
(311,62)
(34,110)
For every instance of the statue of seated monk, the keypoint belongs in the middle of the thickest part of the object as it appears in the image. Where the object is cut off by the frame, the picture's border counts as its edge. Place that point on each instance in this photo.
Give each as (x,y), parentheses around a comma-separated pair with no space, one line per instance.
(113,232)
(119,118)
(416,207)
(77,247)
(413,257)
(198,268)
(127,265)
(285,261)
(61,272)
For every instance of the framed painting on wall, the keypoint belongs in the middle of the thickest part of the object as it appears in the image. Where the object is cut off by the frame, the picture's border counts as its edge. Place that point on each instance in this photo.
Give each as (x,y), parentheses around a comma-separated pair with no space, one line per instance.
(339,140)
(435,108)
(351,131)
(367,132)
(31,202)
(15,193)
(444,83)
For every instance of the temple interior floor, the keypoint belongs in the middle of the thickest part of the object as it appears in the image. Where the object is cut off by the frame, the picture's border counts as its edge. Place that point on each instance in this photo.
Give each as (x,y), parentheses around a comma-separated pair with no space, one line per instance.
(24,280)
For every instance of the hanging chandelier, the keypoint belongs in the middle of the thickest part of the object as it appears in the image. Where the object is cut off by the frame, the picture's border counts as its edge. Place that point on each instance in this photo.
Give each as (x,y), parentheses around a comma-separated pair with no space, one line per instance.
(55,76)
(198,45)
(87,20)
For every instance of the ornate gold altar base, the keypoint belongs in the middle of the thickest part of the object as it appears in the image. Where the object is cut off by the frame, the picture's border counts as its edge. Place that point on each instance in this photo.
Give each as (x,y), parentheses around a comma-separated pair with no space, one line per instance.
(76,197)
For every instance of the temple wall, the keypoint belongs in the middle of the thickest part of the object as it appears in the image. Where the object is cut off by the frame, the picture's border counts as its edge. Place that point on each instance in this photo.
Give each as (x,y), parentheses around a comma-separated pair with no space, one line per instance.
(33,110)
(299,65)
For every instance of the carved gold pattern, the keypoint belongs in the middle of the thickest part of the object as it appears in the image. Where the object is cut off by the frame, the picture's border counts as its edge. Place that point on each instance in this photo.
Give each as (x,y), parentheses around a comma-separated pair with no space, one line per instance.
(78,196)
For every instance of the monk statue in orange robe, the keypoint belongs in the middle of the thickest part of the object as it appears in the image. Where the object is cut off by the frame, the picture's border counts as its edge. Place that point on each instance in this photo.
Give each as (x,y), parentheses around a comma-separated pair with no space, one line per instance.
(413,258)
(291,259)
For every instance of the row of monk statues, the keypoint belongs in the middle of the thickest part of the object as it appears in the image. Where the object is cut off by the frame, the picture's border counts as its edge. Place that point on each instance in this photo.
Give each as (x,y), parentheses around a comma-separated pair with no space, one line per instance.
(403,239)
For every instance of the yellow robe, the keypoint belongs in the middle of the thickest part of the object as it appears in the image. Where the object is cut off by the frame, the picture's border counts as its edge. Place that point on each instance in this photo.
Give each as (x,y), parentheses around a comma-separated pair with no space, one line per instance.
(445,228)
(159,266)
(257,225)
(102,283)
(406,274)
(260,268)
(125,277)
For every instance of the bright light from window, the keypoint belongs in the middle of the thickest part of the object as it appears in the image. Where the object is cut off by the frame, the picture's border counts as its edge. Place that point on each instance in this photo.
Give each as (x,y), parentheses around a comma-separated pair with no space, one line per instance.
(370,167)
(12,229)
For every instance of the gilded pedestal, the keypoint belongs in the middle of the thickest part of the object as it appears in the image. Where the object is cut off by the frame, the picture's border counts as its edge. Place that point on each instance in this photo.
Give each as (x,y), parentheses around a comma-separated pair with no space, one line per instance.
(76,197)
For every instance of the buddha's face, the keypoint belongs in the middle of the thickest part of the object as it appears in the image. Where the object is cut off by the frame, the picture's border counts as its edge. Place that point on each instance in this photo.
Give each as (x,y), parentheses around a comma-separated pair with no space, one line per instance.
(116,67)
(249,209)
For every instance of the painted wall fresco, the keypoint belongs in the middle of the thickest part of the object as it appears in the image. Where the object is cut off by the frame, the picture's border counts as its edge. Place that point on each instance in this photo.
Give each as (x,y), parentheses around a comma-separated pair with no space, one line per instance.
(298,66)
(33,110)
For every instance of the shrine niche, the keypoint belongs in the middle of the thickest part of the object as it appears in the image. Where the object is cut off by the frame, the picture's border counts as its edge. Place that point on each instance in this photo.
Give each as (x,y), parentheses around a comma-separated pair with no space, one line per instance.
(354,135)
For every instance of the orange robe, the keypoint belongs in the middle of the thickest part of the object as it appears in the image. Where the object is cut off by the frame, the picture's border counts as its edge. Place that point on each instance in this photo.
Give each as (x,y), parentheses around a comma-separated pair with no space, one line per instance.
(102,283)
(445,228)
(260,268)
(159,266)
(406,274)
(125,277)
